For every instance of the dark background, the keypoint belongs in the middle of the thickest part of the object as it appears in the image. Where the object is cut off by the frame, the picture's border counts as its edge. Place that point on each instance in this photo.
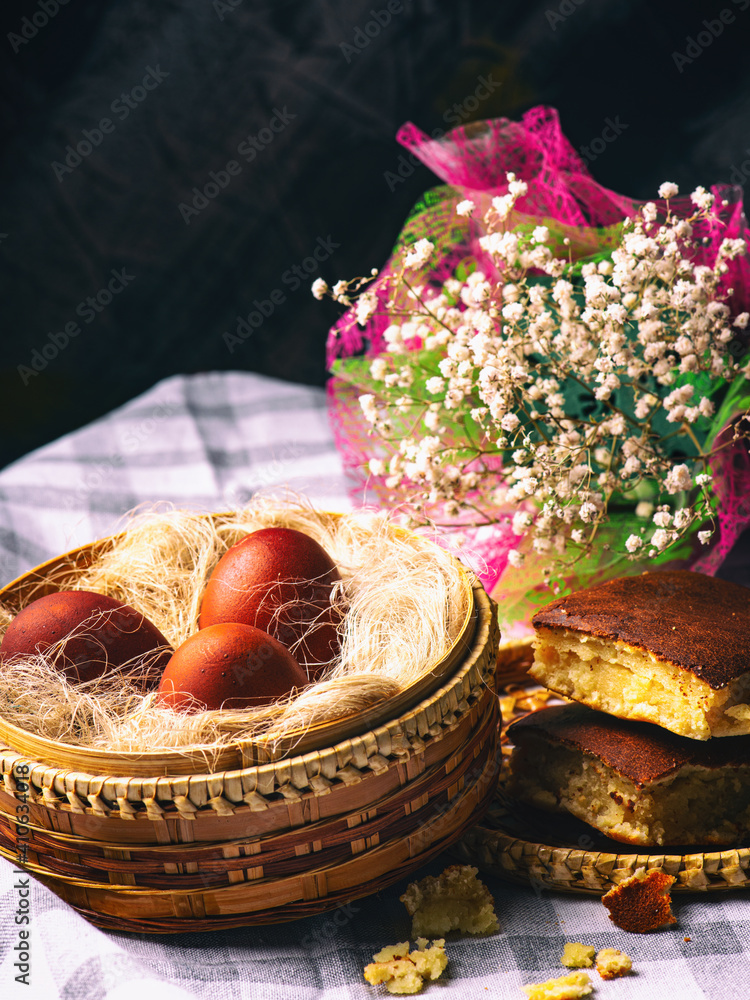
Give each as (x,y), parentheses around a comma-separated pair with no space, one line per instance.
(326,175)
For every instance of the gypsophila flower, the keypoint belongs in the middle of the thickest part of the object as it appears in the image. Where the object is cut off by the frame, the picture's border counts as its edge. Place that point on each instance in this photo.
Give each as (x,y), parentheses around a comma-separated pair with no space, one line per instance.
(660,539)
(419,254)
(704,537)
(588,512)
(682,518)
(678,478)
(731,248)
(365,307)
(369,409)
(319,288)
(533,390)
(378,369)
(702,198)
(521,521)
(634,543)
(668,190)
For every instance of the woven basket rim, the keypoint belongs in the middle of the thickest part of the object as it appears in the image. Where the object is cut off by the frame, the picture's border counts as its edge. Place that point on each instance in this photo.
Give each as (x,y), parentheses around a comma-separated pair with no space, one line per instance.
(437,707)
(571,868)
(590,857)
(204,759)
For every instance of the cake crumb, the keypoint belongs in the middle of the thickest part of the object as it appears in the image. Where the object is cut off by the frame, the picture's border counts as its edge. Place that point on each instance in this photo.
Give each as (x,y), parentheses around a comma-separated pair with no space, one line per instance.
(611,963)
(404,971)
(642,902)
(687,939)
(455,900)
(577,984)
(578,956)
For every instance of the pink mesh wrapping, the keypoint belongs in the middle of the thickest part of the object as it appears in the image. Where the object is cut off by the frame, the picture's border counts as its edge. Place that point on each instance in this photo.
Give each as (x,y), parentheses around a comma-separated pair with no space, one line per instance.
(476,157)
(731,472)
(473,161)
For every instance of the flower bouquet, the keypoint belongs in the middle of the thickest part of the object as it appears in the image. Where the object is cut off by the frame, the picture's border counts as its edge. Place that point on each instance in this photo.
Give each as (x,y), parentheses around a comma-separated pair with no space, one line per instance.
(554,372)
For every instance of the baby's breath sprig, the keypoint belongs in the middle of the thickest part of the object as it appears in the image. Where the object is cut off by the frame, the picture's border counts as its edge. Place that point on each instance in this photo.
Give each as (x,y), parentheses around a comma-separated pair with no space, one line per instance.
(550,388)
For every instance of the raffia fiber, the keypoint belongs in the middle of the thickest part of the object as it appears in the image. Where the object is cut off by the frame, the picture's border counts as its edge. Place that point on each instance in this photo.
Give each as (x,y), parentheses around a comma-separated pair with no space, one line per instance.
(404,602)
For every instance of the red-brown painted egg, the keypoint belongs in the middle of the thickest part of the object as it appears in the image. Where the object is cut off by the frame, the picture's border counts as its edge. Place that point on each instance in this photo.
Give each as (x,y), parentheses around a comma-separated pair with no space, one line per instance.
(280,581)
(103,634)
(228,666)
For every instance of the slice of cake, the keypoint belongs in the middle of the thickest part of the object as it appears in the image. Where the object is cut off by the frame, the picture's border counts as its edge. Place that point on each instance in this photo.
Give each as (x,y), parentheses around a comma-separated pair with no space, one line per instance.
(632,781)
(672,648)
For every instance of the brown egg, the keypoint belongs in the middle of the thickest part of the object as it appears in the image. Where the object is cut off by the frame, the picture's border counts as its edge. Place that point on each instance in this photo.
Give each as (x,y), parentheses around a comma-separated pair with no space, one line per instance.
(280,581)
(229,666)
(106,634)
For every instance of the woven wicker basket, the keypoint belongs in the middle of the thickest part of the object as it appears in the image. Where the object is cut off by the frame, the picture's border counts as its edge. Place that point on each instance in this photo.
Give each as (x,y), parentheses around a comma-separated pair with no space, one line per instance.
(526,845)
(139,845)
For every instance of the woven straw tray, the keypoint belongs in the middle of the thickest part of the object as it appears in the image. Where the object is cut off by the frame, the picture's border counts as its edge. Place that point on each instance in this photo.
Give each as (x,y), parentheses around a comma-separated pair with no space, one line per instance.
(522,844)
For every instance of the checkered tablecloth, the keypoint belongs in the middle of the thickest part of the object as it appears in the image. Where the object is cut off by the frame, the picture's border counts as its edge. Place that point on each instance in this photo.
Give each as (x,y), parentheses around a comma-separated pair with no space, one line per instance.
(211,441)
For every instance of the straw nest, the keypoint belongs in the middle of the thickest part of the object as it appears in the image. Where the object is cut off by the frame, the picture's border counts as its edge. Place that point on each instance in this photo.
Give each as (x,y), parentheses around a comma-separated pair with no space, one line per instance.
(403,598)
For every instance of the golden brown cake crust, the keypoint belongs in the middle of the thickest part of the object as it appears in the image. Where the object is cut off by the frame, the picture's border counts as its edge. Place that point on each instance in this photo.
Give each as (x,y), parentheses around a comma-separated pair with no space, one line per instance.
(639,751)
(641,903)
(697,622)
